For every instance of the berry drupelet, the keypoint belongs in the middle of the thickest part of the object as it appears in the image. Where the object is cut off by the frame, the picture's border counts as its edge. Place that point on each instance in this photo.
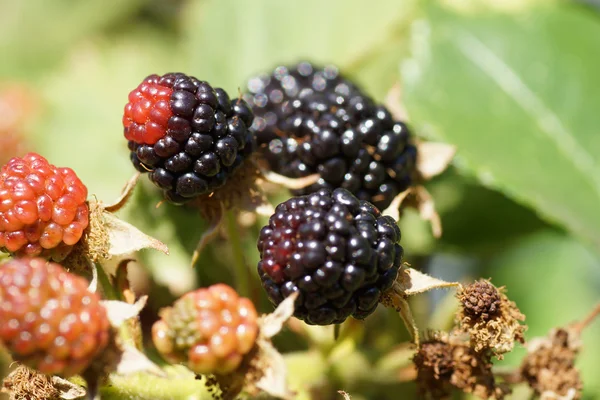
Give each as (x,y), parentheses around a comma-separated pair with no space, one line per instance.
(312,121)
(43,208)
(339,253)
(210,329)
(189,136)
(49,320)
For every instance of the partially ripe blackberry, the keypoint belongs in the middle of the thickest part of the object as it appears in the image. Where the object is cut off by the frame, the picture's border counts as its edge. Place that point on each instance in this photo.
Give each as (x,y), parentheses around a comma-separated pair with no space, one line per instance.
(43,208)
(210,329)
(49,320)
(339,253)
(188,136)
(312,121)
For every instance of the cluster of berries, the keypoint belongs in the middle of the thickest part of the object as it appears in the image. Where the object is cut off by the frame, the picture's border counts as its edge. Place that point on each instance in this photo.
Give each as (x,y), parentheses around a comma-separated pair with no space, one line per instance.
(328,244)
(334,248)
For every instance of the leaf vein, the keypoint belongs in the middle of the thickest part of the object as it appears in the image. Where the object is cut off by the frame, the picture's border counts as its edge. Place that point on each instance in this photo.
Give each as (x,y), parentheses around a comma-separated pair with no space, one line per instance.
(548,122)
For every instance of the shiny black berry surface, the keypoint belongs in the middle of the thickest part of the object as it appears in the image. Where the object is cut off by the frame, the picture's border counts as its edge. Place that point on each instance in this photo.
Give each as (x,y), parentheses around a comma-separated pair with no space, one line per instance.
(311,120)
(338,252)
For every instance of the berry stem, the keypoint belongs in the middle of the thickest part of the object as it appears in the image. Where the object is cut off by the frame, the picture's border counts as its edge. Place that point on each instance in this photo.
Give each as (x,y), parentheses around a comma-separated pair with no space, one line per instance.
(241,272)
(581,325)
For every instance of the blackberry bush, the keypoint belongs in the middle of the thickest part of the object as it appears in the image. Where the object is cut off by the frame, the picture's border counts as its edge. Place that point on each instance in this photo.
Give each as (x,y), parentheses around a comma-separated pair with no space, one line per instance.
(43,208)
(312,121)
(48,318)
(188,136)
(339,253)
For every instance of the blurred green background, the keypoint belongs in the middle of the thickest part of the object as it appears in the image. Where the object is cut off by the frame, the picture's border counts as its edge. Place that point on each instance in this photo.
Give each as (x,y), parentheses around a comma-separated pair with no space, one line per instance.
(513,83)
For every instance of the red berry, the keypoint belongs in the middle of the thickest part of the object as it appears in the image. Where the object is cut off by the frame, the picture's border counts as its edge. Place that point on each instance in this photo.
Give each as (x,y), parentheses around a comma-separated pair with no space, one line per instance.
(212,329)
(48,318)
(43,209)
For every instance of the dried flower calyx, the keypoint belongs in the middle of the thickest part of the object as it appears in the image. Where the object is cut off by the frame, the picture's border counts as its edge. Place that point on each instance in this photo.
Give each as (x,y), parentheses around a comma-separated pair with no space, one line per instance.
(549,367)
(490,318)
(480,300)
(444,364)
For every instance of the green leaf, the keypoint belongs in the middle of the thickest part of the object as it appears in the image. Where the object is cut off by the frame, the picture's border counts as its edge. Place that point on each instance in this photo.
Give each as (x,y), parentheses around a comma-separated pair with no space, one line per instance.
(82,127)
(518,96)
(37,33)
(231,40)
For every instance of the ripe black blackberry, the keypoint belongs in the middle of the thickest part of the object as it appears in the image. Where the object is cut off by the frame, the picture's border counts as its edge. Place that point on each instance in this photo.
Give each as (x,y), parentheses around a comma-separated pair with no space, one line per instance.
(312,121)
(188,135)
(267,93)
(338,252)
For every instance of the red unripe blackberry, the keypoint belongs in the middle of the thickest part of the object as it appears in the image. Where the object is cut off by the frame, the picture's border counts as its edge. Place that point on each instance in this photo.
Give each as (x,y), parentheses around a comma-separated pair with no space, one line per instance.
(211,329)
(49,320)
(189,136)
(43,208)
(312,121)
(339,253)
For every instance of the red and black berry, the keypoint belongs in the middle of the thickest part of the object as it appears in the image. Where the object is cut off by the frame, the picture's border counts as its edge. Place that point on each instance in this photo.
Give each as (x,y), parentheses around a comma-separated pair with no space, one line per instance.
(338,252)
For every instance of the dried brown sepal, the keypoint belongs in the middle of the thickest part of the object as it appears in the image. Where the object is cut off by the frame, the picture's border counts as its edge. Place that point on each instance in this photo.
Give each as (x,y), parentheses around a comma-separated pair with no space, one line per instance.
(94,245)
(125,238)
(345,394)
(445,364)
(408,283)
(549,366)
(126,194)
(25,383)
(290,183)
(108,236)
(492,321)
(419,198)
(434,158)
(119,311)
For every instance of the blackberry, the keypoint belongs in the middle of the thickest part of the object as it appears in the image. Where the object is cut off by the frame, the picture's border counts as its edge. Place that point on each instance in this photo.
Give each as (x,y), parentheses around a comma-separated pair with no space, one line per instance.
(267,93)
(339,253)
(312,121)
(211,329)
(43,208)
(49,320)
(188,136)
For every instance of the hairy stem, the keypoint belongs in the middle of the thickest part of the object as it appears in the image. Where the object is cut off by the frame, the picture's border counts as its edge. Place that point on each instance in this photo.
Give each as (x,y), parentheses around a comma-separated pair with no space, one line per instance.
(180,384)
(240,269)
(581,325)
